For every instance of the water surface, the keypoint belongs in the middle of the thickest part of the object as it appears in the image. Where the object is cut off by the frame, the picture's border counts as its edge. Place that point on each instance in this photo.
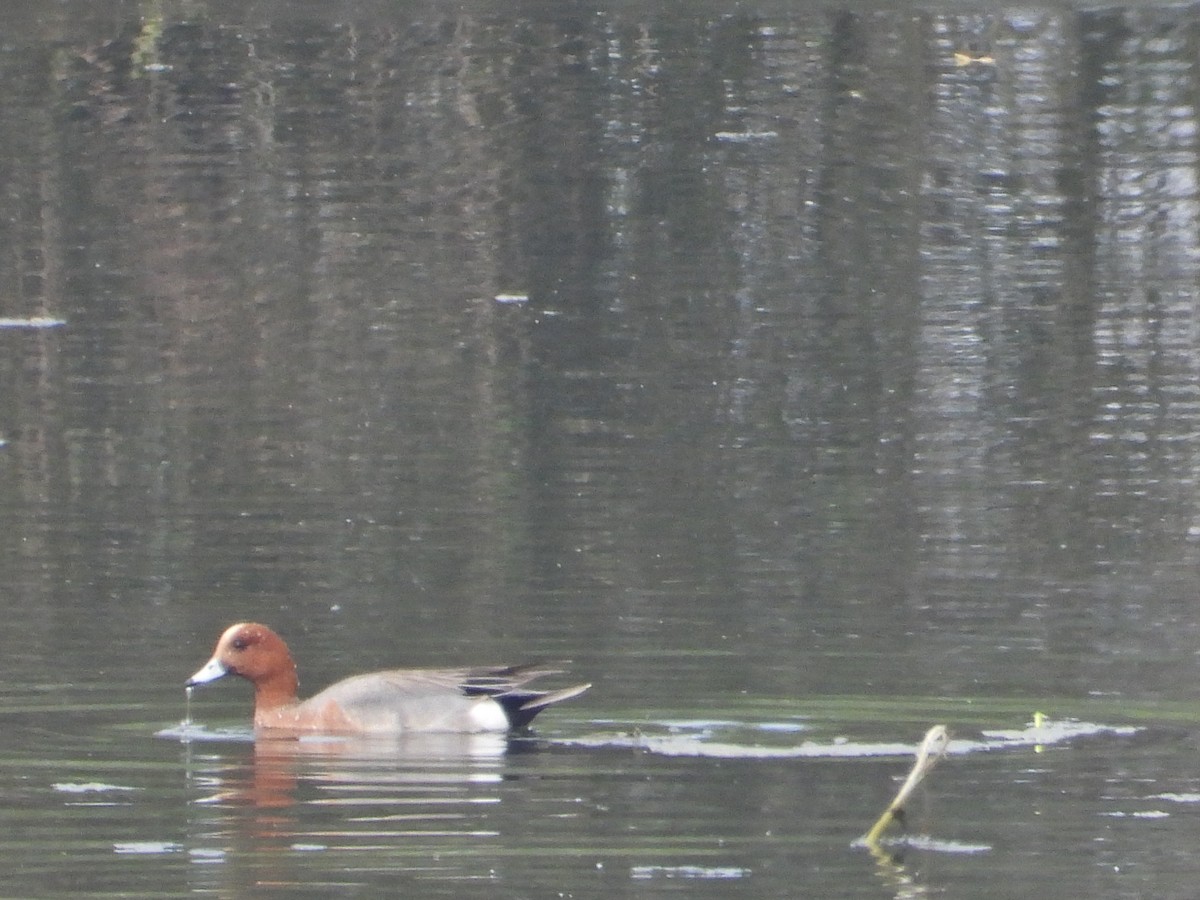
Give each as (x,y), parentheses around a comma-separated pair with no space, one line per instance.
(808,376)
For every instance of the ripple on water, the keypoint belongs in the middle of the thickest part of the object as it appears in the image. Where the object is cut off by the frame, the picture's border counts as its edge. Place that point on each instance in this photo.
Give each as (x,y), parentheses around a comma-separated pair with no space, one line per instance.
(700,738)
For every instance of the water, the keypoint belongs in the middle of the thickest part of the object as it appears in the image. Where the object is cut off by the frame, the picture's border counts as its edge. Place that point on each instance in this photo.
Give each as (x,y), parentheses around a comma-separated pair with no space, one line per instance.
(808,377)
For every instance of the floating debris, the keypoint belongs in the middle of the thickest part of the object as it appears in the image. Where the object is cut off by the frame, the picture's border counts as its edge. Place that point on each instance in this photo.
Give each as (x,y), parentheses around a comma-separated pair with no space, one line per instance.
(938,845)
(512,298)
(32,322)
(1176,798)
(711,738)
(188,732)
(967,58)
(709,872)
(1041,733)
(697,745)
(147,847)
(89,787)
(745,137)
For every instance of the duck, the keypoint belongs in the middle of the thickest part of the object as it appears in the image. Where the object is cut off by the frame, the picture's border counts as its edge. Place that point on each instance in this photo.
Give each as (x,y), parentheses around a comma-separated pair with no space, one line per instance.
(391,702)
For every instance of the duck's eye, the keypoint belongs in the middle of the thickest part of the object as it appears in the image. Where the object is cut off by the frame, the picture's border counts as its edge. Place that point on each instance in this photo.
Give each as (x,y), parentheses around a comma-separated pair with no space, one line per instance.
(240,643)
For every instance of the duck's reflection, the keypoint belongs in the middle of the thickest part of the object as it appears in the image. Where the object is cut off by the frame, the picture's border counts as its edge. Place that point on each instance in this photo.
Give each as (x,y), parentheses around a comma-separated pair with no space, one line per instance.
(345,770)
(900,879)
(268,810)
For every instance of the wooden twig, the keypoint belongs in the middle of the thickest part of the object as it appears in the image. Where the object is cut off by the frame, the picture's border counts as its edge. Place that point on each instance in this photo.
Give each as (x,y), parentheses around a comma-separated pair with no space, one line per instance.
(931,750)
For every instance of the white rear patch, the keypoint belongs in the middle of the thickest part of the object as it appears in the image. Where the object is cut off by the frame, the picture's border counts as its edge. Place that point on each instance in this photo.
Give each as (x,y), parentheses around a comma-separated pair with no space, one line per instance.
(488,715)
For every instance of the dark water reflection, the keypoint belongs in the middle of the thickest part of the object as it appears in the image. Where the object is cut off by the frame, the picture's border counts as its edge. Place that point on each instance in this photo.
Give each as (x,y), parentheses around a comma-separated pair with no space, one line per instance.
(825,366)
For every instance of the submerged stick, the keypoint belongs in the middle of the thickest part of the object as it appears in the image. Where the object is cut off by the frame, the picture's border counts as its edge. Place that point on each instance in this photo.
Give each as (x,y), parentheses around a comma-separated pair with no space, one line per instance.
(932,747)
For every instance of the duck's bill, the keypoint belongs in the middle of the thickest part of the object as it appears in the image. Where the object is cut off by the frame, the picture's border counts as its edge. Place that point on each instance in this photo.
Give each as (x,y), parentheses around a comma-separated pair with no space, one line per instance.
(211,672)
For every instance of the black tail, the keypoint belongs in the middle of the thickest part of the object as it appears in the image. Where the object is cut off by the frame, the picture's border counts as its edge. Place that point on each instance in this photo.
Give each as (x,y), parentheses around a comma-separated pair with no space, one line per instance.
(506,685)
(522,706)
